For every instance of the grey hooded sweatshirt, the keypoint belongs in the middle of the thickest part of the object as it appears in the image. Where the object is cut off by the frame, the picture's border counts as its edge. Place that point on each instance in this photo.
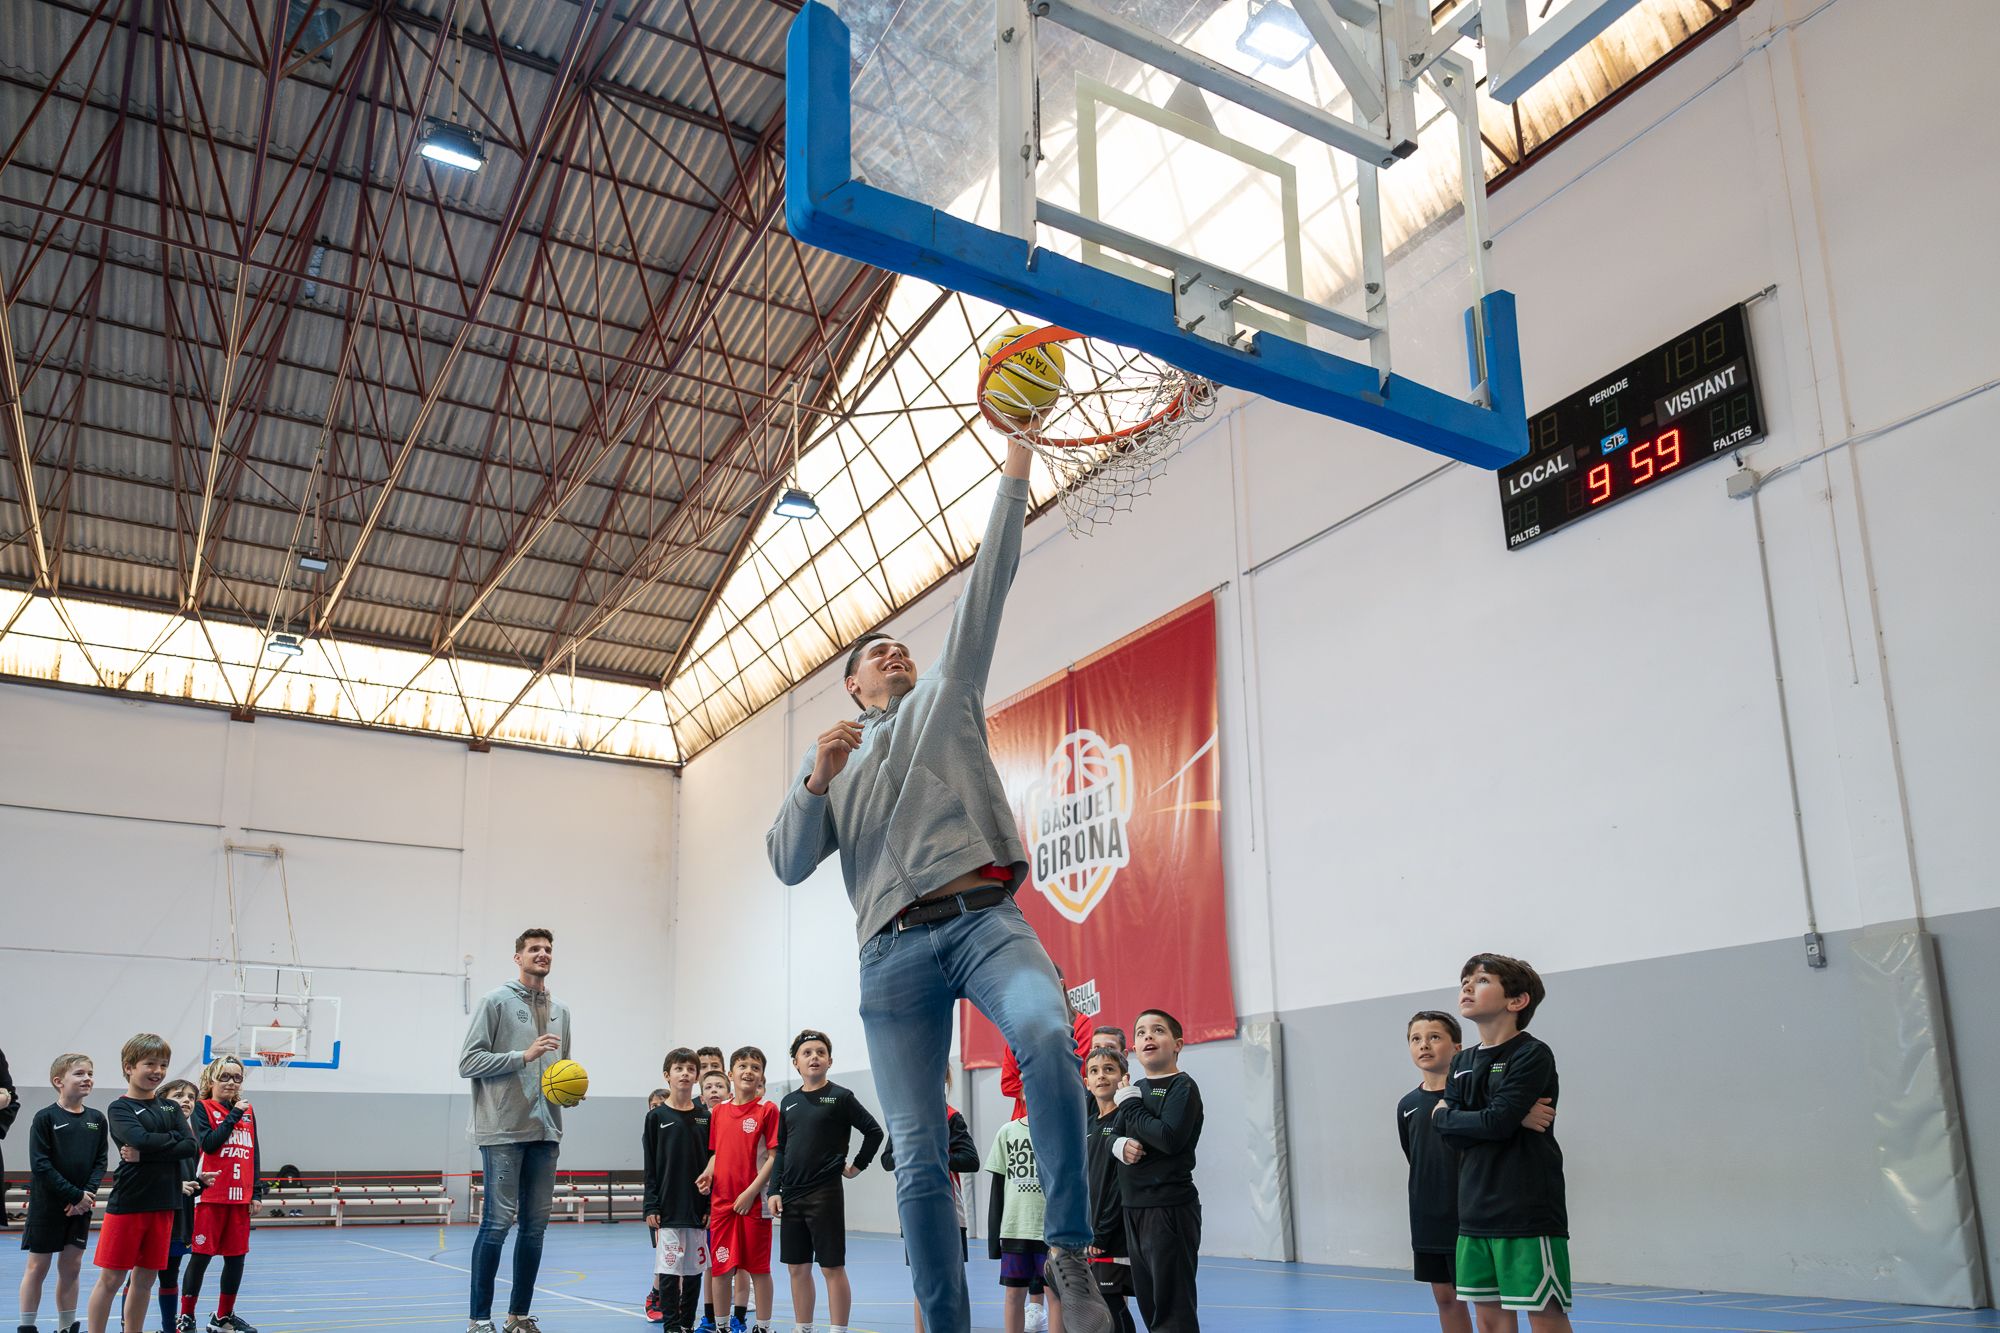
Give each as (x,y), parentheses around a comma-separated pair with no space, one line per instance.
(920,803)
(507,1101)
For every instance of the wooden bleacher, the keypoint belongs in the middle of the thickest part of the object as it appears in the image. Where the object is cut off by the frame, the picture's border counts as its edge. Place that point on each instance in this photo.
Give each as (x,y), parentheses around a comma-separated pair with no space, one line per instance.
(351,1199)
(585,1198)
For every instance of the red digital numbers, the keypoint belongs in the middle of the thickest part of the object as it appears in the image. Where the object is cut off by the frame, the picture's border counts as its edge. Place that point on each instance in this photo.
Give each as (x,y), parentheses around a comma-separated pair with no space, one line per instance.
(1642,454)
(1668,450)
(1598,482)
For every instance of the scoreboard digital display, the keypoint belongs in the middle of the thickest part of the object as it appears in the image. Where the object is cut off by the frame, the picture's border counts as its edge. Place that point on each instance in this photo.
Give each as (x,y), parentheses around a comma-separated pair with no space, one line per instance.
(1677,406)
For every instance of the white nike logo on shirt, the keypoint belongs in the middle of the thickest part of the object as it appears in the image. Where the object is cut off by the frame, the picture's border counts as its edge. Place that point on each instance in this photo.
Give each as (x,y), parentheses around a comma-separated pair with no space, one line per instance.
(1407,1114)
(1462,1073)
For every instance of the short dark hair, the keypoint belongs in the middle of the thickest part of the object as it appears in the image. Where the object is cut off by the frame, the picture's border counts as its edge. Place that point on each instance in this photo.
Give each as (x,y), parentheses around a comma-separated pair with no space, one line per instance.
(533,933)
(715,1051)
(812,1034)
(679,1055)
(1515,978)
(1173,1024)
(1102,1054)
(1124,1042)
(742,1053)
(660,1094)
(1442,1019)
(861,646)
(716,1073)
(169,1088)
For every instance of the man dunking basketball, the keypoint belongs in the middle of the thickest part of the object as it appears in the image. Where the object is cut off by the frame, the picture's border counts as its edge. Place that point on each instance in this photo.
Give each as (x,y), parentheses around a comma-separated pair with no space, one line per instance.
(931,856)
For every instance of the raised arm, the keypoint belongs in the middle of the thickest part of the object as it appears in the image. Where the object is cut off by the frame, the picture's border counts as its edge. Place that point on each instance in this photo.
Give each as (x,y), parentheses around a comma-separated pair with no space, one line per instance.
(216,1137)
(1529,1075)
(975,626)
(803,834)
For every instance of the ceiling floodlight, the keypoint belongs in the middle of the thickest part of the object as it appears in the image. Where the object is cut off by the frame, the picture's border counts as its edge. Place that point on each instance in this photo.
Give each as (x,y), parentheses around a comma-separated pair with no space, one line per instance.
(313,562)
(1275,35)
(452,145)
(795,503)
(286,645)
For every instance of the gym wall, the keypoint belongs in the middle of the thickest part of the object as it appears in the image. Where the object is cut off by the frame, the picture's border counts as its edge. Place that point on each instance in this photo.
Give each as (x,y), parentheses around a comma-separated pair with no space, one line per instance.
(413,863)
(1578,752)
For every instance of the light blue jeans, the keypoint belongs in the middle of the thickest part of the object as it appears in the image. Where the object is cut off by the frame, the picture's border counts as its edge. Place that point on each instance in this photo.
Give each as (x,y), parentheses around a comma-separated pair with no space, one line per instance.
(910,981)
(520,1187)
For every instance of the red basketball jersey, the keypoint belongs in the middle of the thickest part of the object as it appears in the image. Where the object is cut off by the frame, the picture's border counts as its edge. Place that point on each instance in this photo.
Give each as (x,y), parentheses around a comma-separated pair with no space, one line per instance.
(740,1137)
(234,1166)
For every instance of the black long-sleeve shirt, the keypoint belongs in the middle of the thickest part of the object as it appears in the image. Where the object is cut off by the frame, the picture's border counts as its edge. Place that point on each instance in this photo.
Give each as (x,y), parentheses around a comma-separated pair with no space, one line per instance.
(1433,1174)
(160,1132)
(961,1153)
(1510,1180)
(214,1136)
(676,1150)
(1107,1201)
(66,1157)
(813,1130)
(13,1106)
(1166,1117)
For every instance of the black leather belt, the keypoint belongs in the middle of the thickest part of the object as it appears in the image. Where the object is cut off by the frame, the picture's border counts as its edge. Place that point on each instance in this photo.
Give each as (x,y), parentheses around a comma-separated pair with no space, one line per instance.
(944,909)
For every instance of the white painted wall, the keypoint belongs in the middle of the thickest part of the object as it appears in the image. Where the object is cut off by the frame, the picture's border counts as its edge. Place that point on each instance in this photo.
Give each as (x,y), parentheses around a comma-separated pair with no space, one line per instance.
(1573,752)
(412,864)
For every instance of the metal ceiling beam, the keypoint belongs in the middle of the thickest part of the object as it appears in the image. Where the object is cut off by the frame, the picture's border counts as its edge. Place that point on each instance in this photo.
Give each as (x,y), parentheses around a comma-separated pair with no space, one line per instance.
(591,45)
(19,452)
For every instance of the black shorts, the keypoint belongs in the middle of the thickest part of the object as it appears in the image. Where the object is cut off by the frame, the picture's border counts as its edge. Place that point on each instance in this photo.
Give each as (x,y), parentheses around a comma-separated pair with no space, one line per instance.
(1436,1266)
(1114,1280)
(52,1232)
(813,1229)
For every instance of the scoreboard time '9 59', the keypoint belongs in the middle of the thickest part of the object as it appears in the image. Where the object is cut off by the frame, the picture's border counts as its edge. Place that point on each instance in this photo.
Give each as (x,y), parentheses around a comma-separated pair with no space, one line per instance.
(1677,406)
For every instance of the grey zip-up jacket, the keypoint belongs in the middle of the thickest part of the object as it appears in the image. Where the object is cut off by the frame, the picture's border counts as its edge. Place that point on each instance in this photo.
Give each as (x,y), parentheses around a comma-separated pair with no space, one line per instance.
(507,1101)
(920,803)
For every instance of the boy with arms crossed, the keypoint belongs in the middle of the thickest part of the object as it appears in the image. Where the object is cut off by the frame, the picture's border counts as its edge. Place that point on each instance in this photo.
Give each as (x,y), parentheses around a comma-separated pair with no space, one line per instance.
(1159,1123)
(814,1122)
(1513,1222)
(676,1150)
(138,1230)
(67,1144)
(1433,1039)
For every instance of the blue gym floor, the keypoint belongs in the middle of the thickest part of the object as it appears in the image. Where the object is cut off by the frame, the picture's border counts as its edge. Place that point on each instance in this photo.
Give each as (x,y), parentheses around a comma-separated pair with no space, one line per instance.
(595,1277)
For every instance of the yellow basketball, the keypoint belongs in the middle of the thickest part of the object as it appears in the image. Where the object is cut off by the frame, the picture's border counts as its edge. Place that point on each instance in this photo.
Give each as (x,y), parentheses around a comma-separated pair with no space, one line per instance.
(564,1083)
(1026,382)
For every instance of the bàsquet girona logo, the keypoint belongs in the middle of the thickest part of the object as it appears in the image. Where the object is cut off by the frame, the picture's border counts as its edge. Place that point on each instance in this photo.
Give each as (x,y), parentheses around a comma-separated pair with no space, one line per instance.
(1077,822)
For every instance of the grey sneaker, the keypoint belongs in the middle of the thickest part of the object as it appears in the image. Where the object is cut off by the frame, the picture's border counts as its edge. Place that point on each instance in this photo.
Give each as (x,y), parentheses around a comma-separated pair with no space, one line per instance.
(1083,1309)
(479,1326)
(521,1323)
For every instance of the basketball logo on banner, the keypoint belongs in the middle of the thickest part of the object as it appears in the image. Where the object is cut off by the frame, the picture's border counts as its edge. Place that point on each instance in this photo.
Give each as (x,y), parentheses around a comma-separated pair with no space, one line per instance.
(1078,816)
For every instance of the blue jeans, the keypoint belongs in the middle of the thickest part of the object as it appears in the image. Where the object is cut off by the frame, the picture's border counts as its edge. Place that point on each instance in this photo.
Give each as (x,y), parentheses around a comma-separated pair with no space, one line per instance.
(520,1185)
(910,981)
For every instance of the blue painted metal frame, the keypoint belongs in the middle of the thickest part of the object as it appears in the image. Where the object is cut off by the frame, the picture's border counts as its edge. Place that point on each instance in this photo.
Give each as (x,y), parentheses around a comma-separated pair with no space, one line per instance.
(826,207)
(208,1054)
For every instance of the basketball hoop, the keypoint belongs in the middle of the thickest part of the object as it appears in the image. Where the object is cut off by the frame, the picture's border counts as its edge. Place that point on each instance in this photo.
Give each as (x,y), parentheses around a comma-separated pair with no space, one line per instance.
(275,1059)
(1117,419)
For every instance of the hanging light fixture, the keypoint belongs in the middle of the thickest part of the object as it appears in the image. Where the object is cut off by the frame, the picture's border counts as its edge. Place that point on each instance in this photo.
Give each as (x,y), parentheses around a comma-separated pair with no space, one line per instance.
(793,502)
(450,144)
(1275,35)
(285,645)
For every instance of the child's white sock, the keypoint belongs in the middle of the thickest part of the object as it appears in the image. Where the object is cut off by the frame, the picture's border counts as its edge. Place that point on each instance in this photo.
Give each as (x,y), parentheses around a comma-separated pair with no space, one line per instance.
(802,1328)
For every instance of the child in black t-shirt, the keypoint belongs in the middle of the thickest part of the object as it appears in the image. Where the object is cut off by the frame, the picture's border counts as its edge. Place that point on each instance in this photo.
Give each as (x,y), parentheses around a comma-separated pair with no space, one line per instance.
(152,1138)
(1433,1038)
(1110,1257)
(67,1143)
(1499,1103)
(676,1150)
(1159,1123)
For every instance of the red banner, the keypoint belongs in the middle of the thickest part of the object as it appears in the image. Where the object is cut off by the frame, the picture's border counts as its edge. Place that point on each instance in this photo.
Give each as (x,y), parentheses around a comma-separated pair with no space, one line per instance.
(1116,782)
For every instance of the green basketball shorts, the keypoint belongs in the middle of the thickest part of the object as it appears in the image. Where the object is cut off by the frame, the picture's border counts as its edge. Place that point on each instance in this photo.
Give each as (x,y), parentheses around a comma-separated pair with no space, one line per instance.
(1520,1272)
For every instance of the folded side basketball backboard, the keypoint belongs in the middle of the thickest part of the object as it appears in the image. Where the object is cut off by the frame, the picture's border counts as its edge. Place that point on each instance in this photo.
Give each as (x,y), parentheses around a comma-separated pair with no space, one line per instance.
(1196,179)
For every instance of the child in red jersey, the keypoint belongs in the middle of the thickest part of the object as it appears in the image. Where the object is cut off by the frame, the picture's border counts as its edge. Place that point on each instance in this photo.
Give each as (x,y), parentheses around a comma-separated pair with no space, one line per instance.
(227,1129)
(741,1137)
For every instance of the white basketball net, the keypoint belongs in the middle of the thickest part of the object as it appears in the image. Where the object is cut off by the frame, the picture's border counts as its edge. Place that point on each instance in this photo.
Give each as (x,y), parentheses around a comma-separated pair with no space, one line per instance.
(1120,416)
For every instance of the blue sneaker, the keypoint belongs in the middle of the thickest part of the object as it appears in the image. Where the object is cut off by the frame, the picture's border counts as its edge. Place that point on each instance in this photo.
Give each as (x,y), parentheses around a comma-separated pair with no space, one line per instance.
(737,1325)
(705,1325)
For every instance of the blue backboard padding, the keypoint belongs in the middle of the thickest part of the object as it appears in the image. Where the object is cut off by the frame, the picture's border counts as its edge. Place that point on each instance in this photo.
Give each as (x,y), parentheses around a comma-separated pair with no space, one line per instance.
(826,207)
(208,1054)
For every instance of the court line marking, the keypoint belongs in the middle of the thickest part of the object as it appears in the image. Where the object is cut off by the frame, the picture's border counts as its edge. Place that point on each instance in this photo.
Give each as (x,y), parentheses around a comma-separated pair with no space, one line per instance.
(538,1288)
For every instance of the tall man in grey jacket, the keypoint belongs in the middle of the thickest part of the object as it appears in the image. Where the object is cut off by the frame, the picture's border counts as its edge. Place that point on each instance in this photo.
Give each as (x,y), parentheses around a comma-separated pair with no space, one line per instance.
(931,856)
(516,1032)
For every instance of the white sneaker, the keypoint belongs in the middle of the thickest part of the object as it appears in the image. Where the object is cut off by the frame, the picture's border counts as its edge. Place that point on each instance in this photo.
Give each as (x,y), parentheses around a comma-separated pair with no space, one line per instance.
(1038,1318)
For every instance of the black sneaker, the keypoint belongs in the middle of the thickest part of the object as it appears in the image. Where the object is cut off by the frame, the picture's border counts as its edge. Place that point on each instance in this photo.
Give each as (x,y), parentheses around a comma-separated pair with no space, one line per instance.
(228,1323)
(1068,1275)
(184,1324)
